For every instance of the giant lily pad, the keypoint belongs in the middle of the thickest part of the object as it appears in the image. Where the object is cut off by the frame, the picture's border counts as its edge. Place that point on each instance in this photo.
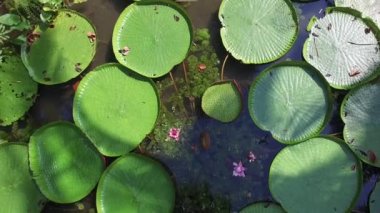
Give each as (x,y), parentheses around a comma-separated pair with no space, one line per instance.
(263,207)
(369,8)
(64,163)
(18,191)
(60,52)
(116,108)
(150,37)
(318,175)
(17,90)
(291,100)
(360,112)
(374,201)
(222,101)
(256,31)
(344,48)
(134,183)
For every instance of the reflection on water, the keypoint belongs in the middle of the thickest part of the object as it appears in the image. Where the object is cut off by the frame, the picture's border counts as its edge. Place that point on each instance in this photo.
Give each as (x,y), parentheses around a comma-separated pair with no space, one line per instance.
(211,148)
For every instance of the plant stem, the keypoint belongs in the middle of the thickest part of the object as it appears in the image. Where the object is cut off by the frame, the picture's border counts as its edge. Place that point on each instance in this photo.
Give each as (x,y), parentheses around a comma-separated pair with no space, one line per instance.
(185,72)
(174,84)
(224,64)
(335,134)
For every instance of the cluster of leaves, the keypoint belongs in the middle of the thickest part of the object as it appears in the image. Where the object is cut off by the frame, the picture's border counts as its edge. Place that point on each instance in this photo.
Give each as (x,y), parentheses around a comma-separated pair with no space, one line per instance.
(178,110)
(199,199)
(22,16)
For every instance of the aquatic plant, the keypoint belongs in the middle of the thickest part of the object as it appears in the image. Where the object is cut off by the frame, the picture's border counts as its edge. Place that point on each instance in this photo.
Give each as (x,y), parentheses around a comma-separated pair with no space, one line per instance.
(116,108)
(345,57)
(164,39)
(239,169)
(262,207)
(324,166)
(369,8)
(291,100)
(134,183)
(18,191)
(256,35)
(64,163)
(69,33)
(17,90)
(360,111)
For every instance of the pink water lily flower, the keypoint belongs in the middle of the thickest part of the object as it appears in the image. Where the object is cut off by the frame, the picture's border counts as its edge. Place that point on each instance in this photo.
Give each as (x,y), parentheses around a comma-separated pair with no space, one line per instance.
(251,157)
(174,133)
(238,169)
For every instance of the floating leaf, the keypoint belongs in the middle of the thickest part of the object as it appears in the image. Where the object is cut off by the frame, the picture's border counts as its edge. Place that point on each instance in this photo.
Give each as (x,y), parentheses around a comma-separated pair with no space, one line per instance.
(150,37)
(61,51)
(64,163)
(222,101)
(116,108)
(18,191)
(344,48)
(134,183)
(291,100)
(369,8)
(360,112)
(256,31)
(374,200)
(263,207)
(318,175)
(17,90)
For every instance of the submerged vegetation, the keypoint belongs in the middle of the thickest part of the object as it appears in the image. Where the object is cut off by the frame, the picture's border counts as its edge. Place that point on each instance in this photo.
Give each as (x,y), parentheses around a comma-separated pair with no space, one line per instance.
(127,118)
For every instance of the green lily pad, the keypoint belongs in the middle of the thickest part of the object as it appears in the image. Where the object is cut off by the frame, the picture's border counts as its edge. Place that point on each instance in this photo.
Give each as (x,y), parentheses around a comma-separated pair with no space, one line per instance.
(344,48)
(134,183)
(318,175)
(291,100)
(263,207)
(18,191)
(369,8)
(360,112)
(150,37)
(222,101)
(256,31)
(374,200)
(17,90)
(116,108)
(61,51)
(64,163)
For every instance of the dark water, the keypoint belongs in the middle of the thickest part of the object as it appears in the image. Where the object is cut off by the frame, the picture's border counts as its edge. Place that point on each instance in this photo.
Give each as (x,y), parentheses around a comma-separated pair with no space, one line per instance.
(229,142)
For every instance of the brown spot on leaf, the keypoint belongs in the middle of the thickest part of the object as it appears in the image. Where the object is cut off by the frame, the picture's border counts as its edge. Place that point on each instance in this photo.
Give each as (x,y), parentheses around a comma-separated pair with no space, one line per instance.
(176,18)
(371,156)
(354,72)
(124,51)
(73,27)
(367,30)
(77,67)
(328,75)
(329,27)
(47,79)
(91,36)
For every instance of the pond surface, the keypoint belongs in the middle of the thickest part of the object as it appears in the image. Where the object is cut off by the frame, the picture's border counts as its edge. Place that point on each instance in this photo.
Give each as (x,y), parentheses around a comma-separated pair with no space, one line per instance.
(196,165)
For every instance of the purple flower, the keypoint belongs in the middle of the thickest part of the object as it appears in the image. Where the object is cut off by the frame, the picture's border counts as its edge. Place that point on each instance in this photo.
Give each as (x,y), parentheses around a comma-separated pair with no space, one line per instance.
(238,169)
(251,157)
(174,133)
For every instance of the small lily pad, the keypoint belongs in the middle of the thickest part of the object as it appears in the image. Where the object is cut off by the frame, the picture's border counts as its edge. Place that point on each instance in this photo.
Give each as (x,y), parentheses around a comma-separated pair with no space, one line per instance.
(344,48)
(17,90)
(318,175)
(61,51)
(360,111)
(116,108)
(374,200)
(18,191)
(263,207)
(65,164)
(291,100)
(222,101)
(150,37)
(134,183)
(369,8)
(257,31)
